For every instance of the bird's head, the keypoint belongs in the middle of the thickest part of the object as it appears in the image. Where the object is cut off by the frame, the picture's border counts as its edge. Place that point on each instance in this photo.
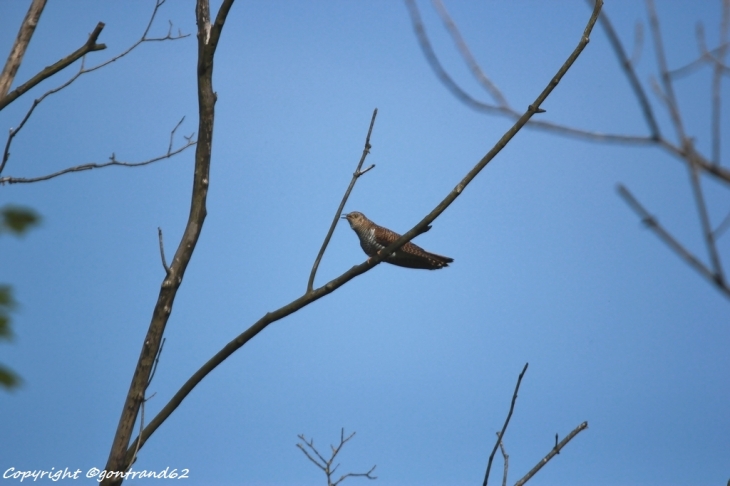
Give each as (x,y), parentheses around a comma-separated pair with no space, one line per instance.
(356,219)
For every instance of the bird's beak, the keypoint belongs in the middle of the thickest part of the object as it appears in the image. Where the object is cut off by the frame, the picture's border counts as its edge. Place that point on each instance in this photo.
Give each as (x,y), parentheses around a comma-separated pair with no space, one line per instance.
(344,216)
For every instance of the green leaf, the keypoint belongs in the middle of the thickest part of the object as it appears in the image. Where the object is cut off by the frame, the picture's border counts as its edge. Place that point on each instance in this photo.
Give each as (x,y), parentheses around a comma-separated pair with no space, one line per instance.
(8,379)
(7,303)
(17,220)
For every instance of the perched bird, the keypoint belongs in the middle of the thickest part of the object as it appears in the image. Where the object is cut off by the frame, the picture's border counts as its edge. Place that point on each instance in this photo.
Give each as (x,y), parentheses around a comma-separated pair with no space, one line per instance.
(374,238)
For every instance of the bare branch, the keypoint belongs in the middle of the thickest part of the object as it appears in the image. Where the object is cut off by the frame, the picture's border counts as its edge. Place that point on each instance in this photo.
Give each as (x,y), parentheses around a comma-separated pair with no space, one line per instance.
(628,68)
(506,461)
(667,84)
(162,251)
(46,73)
(140,41)
(704,217)
(310,444)
(326,464)
(717,82)
(90,46)
(433,61)
(638,44)
(355,176)
(722,227)
(687,145)
(112,162)
(652,223)
(354,475)
(27,28)
(705,57)
(505,111)
(121,454)
(500,434)
(486,83)
(334,284)
(552,453)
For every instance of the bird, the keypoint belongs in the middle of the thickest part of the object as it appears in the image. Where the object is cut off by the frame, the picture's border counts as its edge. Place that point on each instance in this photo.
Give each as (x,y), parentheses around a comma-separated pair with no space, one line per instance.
(374,238)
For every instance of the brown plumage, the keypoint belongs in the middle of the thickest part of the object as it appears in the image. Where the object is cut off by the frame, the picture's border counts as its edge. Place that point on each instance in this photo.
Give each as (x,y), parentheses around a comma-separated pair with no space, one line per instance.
(374,238)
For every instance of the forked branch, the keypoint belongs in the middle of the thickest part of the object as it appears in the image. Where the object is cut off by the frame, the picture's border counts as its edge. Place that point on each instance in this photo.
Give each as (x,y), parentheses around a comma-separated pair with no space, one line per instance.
(49,71)
(553,452)
(355,176)
(653,224)
(326,464)
(500,434)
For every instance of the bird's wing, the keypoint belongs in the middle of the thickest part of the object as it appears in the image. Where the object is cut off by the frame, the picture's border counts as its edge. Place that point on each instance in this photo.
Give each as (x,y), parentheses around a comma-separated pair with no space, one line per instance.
(409,255)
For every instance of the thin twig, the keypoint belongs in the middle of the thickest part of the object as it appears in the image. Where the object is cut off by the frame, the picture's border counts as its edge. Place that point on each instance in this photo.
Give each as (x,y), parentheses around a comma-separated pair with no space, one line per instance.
(438,69)
(552,453)
(714,56)
(157,362)
(500,434)
(14,131)
(141,410)
(162,251)
(506,461)
(474,67)
(141,40)
(638,44)
(355,176)
(141,427)
(717,83)
(667,84)
(628,68)
(722,227)
(705,57)
(652,223)
(112,162)
(704,216)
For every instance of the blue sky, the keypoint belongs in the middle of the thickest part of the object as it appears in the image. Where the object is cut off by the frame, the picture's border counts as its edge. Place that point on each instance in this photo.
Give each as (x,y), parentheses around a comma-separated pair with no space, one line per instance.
(551,267)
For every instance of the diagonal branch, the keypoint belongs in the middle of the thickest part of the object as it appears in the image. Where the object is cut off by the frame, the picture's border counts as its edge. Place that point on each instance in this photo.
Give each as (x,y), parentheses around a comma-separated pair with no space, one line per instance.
(27,28)
(717,82)
(505,456)
(46,73)
(355,176)
(466,54)
(705,56)
(500,434)
(334,284)
(556,450)
(651,222)
(667,84)
(628,68)
(140,41)
(704,216)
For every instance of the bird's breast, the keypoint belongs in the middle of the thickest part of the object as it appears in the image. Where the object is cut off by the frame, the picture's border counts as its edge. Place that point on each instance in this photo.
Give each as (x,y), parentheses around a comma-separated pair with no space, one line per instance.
(368,242)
